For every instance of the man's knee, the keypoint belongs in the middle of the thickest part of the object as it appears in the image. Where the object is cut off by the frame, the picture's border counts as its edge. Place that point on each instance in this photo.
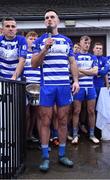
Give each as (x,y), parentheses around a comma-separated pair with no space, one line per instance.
(76,110)
(91,110)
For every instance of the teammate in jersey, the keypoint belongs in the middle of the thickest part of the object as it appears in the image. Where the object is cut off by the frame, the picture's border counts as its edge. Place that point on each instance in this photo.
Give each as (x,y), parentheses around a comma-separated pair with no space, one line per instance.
(32,76)
(53,52)
(88,67)
(103,67)
(13,50)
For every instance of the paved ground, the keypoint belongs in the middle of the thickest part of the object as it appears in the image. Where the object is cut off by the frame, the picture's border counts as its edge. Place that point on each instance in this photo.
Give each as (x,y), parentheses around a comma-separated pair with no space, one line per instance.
(90,162)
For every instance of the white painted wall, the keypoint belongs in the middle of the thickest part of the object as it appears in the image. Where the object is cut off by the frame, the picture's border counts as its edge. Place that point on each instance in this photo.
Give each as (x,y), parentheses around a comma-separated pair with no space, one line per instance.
(103,24)
(108,44)
(78,23)
(33,25)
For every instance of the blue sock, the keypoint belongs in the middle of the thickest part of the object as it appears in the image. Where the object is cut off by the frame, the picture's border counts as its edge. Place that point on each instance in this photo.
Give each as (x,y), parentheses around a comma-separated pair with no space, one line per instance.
(62,150)
(75,132)
(91,131)
(45,151)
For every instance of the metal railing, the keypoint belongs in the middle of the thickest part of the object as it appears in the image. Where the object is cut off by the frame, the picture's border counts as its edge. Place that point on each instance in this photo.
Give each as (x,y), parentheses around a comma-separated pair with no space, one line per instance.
(12,128)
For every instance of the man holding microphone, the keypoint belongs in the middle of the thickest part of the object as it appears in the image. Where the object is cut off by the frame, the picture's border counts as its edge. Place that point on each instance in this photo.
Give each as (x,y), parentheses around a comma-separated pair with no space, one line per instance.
(53,52)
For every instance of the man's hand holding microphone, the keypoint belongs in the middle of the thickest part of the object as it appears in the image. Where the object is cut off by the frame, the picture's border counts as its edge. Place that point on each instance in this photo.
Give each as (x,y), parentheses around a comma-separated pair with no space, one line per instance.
(49,42)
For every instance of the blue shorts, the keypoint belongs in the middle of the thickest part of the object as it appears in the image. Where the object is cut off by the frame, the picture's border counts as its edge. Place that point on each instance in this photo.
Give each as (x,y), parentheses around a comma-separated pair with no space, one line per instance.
(59,95)
(85,94)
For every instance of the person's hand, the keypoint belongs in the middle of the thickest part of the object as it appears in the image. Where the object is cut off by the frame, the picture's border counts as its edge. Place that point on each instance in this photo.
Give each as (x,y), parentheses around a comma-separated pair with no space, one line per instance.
(75,87)
(48,43)
(14,77)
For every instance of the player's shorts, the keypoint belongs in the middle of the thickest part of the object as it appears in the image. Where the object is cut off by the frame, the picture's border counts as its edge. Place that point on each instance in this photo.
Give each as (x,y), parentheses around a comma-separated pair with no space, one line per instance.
(59,95)
(85,94)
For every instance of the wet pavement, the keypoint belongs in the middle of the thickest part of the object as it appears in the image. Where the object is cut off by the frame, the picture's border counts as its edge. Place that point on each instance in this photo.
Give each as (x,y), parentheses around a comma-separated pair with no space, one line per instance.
(90,162)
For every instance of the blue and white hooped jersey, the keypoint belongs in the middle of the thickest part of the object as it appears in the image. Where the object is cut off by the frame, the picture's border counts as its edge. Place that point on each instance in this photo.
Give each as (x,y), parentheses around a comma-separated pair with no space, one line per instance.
(10,51)
(55,65)
(86,61)
(32,74)
(103,67)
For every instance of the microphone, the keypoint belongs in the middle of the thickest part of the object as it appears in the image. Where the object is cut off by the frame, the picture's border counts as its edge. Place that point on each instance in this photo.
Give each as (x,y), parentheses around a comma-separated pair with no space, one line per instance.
(49,31)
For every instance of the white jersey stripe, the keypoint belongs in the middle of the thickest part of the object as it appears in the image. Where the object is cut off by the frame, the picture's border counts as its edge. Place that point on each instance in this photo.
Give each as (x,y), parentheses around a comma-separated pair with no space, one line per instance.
(56,78)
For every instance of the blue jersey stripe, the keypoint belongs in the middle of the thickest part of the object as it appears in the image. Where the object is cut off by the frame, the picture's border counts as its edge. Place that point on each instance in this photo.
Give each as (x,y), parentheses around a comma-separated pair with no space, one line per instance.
(56,73)
(56,82)
(55,65)
(32,75)
(86,80)
(5,75)
(56,57)
(8,61)
(87,86)
(7,68)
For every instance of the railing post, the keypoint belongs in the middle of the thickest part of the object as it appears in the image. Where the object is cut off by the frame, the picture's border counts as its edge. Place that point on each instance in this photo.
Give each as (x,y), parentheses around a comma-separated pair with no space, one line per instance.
(12,128)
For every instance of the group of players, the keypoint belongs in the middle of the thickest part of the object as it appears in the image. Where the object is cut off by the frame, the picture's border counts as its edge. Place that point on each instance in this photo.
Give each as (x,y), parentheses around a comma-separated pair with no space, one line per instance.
(70,80)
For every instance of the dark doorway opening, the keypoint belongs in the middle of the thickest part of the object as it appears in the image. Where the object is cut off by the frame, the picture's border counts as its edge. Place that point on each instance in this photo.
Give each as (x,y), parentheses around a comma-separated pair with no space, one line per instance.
(101,39)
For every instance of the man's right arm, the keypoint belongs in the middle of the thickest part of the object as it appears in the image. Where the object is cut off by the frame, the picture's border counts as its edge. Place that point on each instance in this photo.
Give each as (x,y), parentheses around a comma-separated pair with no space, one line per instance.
(37,58)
